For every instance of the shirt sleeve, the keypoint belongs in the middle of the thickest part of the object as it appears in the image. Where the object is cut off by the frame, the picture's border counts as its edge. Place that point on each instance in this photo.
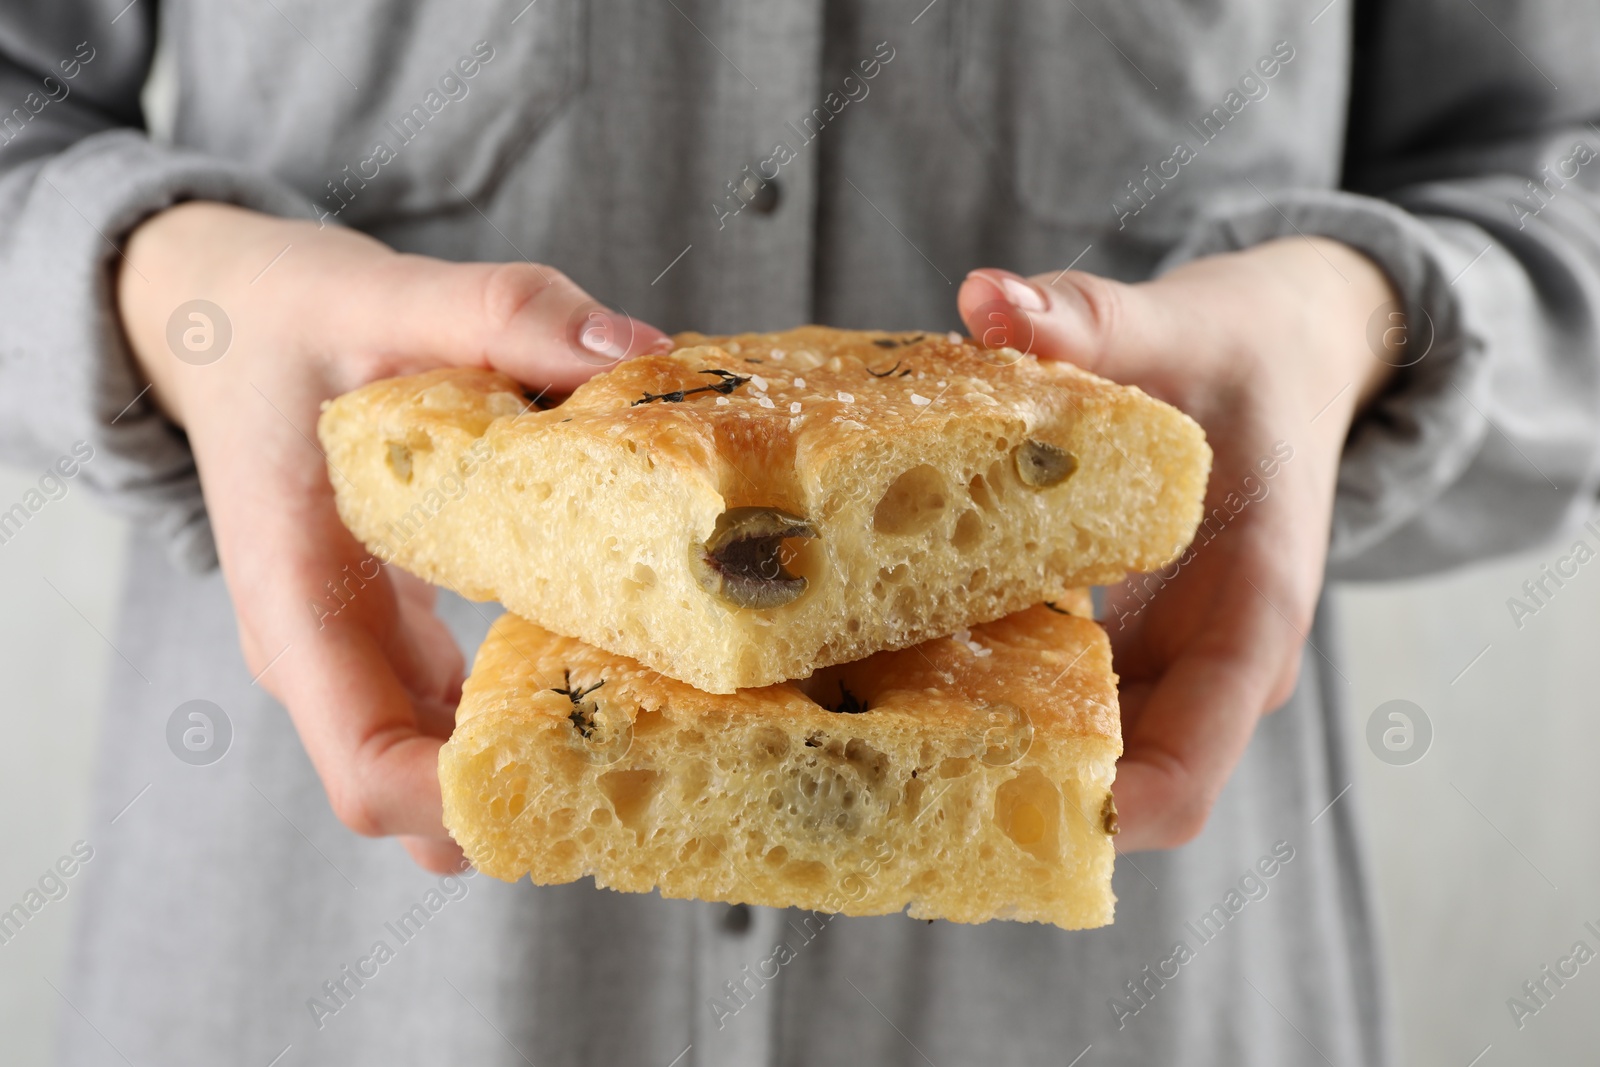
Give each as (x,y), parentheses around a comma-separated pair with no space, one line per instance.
(77,174)
(1472,177)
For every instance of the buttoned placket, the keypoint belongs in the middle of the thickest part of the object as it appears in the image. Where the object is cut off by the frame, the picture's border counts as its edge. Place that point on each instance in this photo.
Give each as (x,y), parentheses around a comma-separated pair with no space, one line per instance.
(758,240)
(760,216)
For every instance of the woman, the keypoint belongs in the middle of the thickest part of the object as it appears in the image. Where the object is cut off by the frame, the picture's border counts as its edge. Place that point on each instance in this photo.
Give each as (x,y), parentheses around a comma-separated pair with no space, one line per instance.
(1360,235)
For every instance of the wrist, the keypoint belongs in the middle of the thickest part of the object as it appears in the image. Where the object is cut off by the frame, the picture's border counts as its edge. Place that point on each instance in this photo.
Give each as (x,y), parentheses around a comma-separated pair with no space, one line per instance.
(1349,292)
(149,279)
(200,279)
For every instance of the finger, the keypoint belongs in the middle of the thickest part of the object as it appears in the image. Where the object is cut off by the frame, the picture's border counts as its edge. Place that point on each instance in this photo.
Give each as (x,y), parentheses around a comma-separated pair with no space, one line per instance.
(412,588)
(410,313)
(1099,324)
(1191,726)
(440,855)
(362,677)
(429,664)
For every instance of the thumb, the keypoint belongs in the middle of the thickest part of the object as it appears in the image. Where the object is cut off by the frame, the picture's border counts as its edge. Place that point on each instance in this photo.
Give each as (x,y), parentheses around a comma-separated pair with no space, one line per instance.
(1104,326)
(523,319)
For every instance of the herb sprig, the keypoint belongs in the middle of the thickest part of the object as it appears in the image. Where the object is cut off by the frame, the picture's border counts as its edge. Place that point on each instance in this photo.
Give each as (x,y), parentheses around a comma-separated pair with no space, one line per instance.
(730,381)
(580,716)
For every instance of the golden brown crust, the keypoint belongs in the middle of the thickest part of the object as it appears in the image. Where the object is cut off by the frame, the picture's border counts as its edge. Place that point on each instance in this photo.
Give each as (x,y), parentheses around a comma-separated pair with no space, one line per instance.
(973,786)
(899,450)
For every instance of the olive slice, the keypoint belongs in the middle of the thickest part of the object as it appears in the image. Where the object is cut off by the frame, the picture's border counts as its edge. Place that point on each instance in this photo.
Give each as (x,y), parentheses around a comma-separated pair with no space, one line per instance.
(1042,465)
(742,559)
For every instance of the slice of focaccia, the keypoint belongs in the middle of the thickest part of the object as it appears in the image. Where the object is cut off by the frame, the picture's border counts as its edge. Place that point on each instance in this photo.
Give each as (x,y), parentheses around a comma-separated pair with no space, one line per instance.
(966,778)
(744,510)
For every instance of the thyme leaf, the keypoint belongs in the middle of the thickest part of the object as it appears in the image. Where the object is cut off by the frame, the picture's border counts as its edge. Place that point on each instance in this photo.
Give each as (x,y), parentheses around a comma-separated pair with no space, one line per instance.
(730,381)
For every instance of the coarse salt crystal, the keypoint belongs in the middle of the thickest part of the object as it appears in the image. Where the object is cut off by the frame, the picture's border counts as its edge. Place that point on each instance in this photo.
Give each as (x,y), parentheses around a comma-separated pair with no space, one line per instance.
(794,408)
(778,353)
(965,637)
(722,401)
(953,337)
(799,383)
(766,402)
(847,398)
(759,382)
(941,385)
(794,423)
(851,424)
(920,401)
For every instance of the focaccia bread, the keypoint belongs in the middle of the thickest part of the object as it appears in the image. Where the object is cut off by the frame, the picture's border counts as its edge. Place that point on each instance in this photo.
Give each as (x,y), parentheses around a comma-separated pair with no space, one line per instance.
(967,778)
(744,510)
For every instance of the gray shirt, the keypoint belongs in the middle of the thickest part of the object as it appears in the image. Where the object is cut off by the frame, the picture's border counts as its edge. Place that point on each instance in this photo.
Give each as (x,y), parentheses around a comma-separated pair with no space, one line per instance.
(906,144)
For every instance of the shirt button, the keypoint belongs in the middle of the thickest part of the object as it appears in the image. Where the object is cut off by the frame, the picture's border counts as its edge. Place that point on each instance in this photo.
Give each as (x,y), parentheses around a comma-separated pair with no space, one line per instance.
(736,920)
(761,195)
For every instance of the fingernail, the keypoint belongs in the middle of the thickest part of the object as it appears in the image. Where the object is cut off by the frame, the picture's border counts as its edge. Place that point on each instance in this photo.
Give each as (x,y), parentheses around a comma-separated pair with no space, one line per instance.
(1023,293)
(1015,289)
(606,337)
(649,341)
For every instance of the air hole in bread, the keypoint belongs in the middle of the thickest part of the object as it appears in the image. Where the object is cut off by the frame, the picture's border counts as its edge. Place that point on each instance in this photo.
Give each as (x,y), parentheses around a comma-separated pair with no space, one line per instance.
(978,490)
(810,873)
(630,793)
(399,460)
(769,742)
(642,577)
(1028,809)
(912,503)
(954,767)
(997,480)
(968,531)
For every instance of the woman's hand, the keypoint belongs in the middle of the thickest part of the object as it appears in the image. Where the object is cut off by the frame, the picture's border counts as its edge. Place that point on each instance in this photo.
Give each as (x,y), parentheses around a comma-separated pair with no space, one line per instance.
(371,687)
(1264,348)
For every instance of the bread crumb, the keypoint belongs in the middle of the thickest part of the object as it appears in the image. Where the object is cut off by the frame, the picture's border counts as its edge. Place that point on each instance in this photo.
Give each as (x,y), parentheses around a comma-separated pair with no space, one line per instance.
(847,398)
(919,400)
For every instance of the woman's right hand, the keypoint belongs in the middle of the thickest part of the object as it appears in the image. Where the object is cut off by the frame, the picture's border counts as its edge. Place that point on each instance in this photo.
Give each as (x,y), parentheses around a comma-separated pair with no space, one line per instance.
(315,312)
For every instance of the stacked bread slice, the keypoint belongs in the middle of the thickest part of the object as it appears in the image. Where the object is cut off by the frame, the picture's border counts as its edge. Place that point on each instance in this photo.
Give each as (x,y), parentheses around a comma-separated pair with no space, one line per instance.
(796,618)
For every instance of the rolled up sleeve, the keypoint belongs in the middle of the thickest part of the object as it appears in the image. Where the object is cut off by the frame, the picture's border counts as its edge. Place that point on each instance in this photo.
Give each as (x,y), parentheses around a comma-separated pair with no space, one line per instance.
(1489,439)
(77,175)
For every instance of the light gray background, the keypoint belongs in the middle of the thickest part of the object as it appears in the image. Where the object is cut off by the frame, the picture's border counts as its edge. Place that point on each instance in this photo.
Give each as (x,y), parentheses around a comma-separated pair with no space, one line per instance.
(1484,851)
